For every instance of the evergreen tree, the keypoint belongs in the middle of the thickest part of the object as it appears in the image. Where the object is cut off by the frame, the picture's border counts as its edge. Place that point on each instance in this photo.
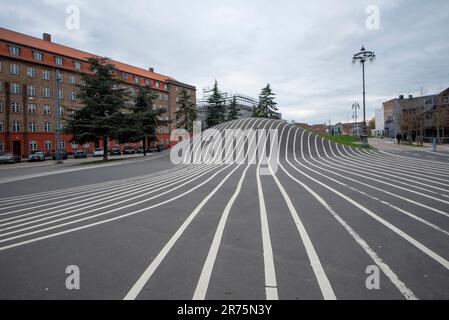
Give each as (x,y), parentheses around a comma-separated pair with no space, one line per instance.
(266,107)
(216,110)
(233,110)
(143,121)
(103,101)
(186,113)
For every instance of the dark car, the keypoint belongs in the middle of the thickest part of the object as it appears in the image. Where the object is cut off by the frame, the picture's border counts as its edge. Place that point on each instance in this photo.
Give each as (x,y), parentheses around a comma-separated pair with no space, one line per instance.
(36,156)
(129,150)
(152,150)
(115,151)
(60,154)
(161,147)
(10,158)
(80,154)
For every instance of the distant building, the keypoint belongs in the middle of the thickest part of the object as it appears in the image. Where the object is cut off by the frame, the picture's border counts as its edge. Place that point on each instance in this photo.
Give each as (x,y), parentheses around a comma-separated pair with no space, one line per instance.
(244,102)
(416,116)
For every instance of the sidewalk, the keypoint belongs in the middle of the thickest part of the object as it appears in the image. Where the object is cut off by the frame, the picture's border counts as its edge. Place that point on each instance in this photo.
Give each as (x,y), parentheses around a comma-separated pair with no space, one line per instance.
(387,144)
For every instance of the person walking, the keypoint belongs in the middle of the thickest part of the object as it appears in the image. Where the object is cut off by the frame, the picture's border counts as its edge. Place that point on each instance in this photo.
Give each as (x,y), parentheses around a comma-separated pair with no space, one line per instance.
(398,138)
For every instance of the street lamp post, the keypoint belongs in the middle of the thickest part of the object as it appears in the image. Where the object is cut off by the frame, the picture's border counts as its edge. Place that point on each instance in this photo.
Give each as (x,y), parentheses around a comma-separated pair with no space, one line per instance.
(59,158)
(362,57)
(355,107)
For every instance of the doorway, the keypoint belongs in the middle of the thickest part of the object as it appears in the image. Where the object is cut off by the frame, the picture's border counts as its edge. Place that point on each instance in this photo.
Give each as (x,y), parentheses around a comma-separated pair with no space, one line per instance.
(17,148)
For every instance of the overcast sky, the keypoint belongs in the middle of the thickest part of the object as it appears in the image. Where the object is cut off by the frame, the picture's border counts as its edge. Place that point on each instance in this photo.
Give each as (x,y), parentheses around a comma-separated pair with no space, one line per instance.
(302,48)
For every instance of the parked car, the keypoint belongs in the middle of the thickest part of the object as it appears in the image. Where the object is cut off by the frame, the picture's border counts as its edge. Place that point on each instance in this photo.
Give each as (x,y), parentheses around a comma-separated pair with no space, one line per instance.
(139,150)
(80,154)
(8,157)
(129,150)
(61,154)
(115,151)
(161,147)
(152,150)
(36,156)
(98,152)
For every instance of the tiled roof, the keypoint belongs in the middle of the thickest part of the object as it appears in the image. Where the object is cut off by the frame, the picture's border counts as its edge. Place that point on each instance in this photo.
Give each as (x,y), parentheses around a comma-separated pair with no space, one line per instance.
(40,44)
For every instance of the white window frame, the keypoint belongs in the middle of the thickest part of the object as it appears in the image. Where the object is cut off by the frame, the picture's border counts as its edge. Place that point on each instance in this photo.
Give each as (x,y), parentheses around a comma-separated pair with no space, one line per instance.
(16,126)
(31,91)
(15,88)
(46,92)
(37,55)
(48,144)
(14,69)
(47,127)
(47,110)
(32,127)
(59,60)
(13,50)
(33,145)
(45,75)
(77,65)
(32,108)
(15,107)
(31,72)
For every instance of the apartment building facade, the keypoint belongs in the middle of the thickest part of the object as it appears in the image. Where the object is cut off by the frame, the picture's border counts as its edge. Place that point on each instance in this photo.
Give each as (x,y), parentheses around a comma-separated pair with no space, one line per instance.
(29,94)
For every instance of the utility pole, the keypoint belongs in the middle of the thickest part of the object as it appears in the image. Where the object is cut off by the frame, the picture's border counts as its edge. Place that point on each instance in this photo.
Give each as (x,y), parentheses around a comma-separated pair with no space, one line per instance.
(362,57)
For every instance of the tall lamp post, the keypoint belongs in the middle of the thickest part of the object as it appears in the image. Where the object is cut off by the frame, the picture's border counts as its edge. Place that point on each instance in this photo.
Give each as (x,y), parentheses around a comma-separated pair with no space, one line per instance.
(355,107)
(362,57)
(59,157)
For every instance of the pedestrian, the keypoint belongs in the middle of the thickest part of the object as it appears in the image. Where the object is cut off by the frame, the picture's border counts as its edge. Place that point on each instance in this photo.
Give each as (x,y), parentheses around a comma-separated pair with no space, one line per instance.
(398,137)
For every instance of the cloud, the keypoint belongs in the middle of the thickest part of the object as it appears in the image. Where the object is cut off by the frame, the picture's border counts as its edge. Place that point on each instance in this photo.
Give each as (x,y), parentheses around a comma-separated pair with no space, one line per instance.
(303,49)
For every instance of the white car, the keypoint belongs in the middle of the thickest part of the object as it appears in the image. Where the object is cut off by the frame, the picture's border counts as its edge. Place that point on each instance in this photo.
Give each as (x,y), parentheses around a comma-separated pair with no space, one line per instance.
(98,152)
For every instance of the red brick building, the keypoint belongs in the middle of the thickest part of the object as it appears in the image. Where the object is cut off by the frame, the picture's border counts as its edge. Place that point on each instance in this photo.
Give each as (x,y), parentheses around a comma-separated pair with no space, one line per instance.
(28,97)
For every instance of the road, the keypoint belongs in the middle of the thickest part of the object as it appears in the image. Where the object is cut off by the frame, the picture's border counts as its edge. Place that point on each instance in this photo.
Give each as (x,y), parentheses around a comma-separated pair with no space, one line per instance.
(307,226)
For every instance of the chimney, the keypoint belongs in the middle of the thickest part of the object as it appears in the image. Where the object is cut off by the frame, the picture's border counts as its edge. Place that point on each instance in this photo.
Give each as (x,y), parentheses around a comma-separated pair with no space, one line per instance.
(410,96)
(151,69)
(401,97)
(46,37)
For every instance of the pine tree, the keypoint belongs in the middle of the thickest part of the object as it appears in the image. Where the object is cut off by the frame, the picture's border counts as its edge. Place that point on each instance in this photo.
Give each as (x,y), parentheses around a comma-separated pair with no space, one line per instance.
(266,108)
(233,110)
(216,110)
(186,113)
(143,121)
(101,116)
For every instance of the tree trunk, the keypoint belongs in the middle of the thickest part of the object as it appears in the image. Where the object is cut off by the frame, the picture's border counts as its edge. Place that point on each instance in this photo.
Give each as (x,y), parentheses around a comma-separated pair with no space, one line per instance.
(105,148)
(144,146)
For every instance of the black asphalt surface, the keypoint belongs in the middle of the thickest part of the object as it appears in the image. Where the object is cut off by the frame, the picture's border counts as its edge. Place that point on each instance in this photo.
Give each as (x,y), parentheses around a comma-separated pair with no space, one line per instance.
(150,229)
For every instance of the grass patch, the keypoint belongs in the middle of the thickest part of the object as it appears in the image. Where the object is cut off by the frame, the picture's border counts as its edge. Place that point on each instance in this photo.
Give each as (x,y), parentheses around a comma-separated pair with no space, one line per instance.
(342,139)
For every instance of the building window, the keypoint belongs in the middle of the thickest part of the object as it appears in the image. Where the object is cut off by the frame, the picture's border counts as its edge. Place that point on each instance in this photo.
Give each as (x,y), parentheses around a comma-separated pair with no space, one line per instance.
(32,126)
(15,88)
(61,111)
(1,86)
(74,146)
(72,79)
(14,69)
(15,51)
(59,61)
(86,145)
(38,55)
(47,127)
(61,94)
(46,93)
(2,146)
(1,106)
(45,75)
(1,126)
(33,145)
(60,77)
(15,126)
(77,65)
(60,127)
(31,91)
(32,108)
(165,86)
(72,95)
(47,110)
(31,72)
(47,144)
(15,107)
(125,76)
(156,84)
(0,66)
(62,144)
(136,80)
(147,82)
